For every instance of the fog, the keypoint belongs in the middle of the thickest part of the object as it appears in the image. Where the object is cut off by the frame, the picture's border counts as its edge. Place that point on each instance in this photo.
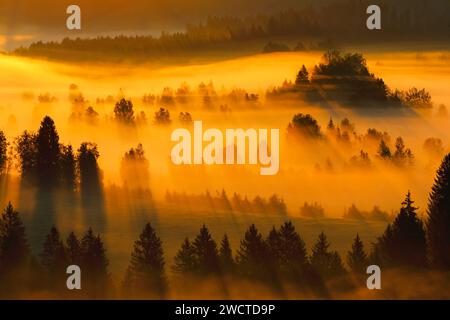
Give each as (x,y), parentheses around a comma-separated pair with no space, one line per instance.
(305,173)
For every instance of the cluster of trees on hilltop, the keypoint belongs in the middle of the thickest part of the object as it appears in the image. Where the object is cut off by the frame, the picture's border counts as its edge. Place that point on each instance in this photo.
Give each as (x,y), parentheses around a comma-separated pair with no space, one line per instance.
(411,20)
(272,260)
(220,201)
(345,78)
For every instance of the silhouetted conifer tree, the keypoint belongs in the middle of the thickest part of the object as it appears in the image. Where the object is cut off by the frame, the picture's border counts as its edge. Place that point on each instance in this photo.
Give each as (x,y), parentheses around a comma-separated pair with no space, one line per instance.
(145,274)
(292,250)
(94,264)
(226,259)
(14,251)
(326,263)
(320,255)
(48,153)
(336,265)
(252,254)
(302,76)
(68,167)
(73,249)
(91,185)
(357,258)
(206,254)
(54,260)
(404,242)
(26,149)
(185,261)
(438,223)
(273,243)
(88,168)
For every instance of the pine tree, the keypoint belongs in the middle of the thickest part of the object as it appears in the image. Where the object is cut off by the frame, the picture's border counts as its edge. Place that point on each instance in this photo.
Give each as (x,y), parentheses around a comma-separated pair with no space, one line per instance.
(336,266)
(404,241)
(94,264)
(14,250)
(146,270)
(357,258)
(73,249)
(320,257)
(302,76)
(68,167)
(54,260)
(438,223)
(26,149)
(252,254)
(226,259)
(88,168)
(48,153)
(206,254)
(273,243)
(185,261)
(292,247)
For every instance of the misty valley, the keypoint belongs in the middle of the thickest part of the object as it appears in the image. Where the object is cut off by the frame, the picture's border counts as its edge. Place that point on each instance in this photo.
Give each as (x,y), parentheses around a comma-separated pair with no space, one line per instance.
(272,156)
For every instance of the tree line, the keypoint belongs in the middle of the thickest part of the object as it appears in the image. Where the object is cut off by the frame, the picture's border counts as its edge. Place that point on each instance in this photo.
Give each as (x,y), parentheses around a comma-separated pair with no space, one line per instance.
(415,18)
(221,201)
(280,256)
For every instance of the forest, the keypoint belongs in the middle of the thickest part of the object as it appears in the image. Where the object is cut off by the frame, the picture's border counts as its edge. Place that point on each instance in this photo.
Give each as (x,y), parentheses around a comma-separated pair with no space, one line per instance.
(364,176)
(302,28)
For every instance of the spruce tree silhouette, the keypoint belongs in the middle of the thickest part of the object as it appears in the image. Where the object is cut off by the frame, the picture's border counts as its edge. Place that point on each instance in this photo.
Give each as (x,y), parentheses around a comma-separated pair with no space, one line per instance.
(73,249)
(288,256)
(26,149)
(252,255)
(88,169)
(357,258)
(68,168)
(273,243)
(94,265)
(326,263)
(320,256)
(302,76)
(54,261)
(206,254)
(404,242)
(14,251)
(292,249)
(48,154)
(91,185)
(336,265)
(438,223)
(227,263)
(185,260)
(145,274)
